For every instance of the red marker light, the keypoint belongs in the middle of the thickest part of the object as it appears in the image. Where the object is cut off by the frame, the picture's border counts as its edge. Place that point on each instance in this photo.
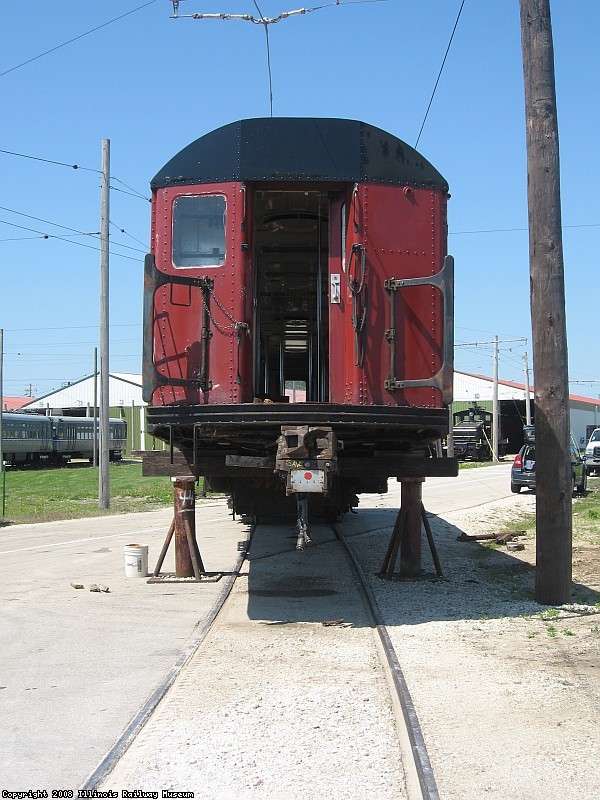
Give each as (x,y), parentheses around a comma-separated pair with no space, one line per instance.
(308,475)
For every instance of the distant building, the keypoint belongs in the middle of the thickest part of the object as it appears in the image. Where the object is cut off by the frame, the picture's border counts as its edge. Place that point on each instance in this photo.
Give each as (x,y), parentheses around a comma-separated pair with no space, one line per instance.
(125,401)
(14,403)
(470,388)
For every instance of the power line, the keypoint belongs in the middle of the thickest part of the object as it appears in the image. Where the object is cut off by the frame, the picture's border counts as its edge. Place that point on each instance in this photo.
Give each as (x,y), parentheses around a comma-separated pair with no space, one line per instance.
(76,38)
(266,26)
(265,22)
(48,161)
(67,228)
(511,230)
(440,73)
(131,194)
(43,235)
(134,192)
(47,222)
(122,230)
(72,328)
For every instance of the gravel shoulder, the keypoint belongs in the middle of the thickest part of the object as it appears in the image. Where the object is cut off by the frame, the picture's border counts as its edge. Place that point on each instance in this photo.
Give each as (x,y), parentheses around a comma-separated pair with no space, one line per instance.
(506,690)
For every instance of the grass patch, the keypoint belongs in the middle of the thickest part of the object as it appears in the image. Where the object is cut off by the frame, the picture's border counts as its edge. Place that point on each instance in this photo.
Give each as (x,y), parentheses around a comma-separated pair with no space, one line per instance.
(70,492)
(586,513)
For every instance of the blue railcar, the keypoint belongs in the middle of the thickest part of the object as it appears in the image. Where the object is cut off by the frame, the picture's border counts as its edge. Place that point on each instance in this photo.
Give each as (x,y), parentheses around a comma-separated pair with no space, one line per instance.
(35,439)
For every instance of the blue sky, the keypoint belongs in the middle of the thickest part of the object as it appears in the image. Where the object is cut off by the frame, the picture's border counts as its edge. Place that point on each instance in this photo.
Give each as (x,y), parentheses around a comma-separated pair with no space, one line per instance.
(152,84)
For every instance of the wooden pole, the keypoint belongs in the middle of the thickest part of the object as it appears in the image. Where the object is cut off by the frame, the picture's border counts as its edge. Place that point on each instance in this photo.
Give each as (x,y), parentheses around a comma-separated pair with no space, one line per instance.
(553,459)
(527,391)
(95,415)
(103,472)
(495,413)
(2,473)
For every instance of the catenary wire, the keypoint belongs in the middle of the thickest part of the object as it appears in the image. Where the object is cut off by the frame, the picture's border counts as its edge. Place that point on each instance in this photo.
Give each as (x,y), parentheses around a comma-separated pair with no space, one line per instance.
(122,230)
(265,22)
(65,239)
(93,234)
(134,192)
(76,38)
(440,74)
(266,27)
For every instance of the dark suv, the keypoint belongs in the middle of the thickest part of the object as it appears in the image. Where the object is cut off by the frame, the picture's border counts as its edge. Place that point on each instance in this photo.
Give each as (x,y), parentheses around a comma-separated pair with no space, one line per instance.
(522,473)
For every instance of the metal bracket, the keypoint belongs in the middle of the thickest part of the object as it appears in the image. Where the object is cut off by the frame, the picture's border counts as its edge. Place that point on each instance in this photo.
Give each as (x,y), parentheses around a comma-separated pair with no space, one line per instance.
(442,380)
(304,450)
(153,280)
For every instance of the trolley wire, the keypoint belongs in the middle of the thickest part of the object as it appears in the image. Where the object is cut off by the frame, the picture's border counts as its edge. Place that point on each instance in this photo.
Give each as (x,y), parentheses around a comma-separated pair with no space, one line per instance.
(133,192)
(265,22)
(76,38)
(44,235)
(440,73)
(74,231)
(50,161)
(122,230)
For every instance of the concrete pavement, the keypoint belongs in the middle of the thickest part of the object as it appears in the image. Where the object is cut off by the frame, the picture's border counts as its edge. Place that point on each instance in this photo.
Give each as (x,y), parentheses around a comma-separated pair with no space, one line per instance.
(77,665)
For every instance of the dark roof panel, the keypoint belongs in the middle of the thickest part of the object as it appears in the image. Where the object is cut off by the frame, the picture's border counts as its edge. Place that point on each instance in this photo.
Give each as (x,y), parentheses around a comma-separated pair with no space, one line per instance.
(299,149)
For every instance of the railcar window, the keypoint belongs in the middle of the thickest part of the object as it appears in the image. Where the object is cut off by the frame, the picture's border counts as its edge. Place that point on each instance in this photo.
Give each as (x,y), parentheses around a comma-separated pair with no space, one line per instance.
(199,231)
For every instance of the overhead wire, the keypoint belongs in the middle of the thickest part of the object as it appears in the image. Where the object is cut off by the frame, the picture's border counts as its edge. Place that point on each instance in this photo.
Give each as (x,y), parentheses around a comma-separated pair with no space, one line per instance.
(43,235)
(94,234)
(50,161)
(134,192)
(71,328)
(76,38)
(439,74)
(265,22)
(511,230)
(122,230)
(266,27)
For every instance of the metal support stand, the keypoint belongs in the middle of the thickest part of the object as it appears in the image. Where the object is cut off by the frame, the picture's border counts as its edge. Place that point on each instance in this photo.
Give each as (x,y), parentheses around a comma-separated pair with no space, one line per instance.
(188,561)
(406,536)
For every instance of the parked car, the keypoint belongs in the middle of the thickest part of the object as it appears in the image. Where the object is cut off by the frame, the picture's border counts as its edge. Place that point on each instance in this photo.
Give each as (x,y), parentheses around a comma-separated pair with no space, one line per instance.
(592,453)
(522,473)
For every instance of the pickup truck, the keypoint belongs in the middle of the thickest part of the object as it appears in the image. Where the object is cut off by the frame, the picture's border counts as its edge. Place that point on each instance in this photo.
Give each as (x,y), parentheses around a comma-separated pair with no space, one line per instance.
(592,452)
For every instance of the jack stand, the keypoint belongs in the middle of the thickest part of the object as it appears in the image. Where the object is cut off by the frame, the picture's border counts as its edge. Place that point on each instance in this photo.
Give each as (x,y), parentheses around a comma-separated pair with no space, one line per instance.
(303,535)
(406,536)
(188,561)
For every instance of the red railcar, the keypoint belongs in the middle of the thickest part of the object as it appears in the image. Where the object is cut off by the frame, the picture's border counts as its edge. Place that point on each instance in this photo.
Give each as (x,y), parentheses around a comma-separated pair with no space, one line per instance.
(299,258)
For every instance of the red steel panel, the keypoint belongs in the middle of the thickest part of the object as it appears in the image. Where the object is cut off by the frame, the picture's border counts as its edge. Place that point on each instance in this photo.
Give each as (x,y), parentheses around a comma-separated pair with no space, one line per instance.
(403,233)
(178,308)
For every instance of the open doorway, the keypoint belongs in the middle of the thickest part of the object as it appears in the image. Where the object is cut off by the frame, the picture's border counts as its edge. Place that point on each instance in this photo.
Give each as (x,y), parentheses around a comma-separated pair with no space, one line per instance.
(291,237)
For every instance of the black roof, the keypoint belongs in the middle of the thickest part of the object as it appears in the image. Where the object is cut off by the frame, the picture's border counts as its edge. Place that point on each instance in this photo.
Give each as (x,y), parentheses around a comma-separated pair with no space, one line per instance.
(299,149)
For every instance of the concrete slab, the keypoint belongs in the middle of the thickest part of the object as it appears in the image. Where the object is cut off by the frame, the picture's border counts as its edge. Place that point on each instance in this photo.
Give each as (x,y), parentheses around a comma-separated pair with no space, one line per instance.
(77,665)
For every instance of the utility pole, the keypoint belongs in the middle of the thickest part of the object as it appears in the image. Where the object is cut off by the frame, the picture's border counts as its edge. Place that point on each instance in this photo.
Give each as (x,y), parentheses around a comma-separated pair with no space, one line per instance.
(95,414)
(495,415)
(496,425)
(103,475)
(527,393)
(553,459)
(2,473)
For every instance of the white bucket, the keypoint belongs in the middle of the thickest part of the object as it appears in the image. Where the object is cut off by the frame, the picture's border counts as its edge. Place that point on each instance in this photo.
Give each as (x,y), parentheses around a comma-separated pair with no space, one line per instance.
(136,560)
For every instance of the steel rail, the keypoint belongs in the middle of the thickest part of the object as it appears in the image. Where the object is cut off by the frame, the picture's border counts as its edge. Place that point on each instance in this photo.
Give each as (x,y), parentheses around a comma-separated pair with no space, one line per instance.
(419,752)
(143,715)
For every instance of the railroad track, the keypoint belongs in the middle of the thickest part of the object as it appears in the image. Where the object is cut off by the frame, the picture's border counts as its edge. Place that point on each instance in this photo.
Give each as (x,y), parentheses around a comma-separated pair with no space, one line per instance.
(285,685)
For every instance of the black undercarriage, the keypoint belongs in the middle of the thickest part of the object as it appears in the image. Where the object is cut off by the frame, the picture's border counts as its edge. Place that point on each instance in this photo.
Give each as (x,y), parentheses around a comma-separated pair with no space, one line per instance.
(234,447)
